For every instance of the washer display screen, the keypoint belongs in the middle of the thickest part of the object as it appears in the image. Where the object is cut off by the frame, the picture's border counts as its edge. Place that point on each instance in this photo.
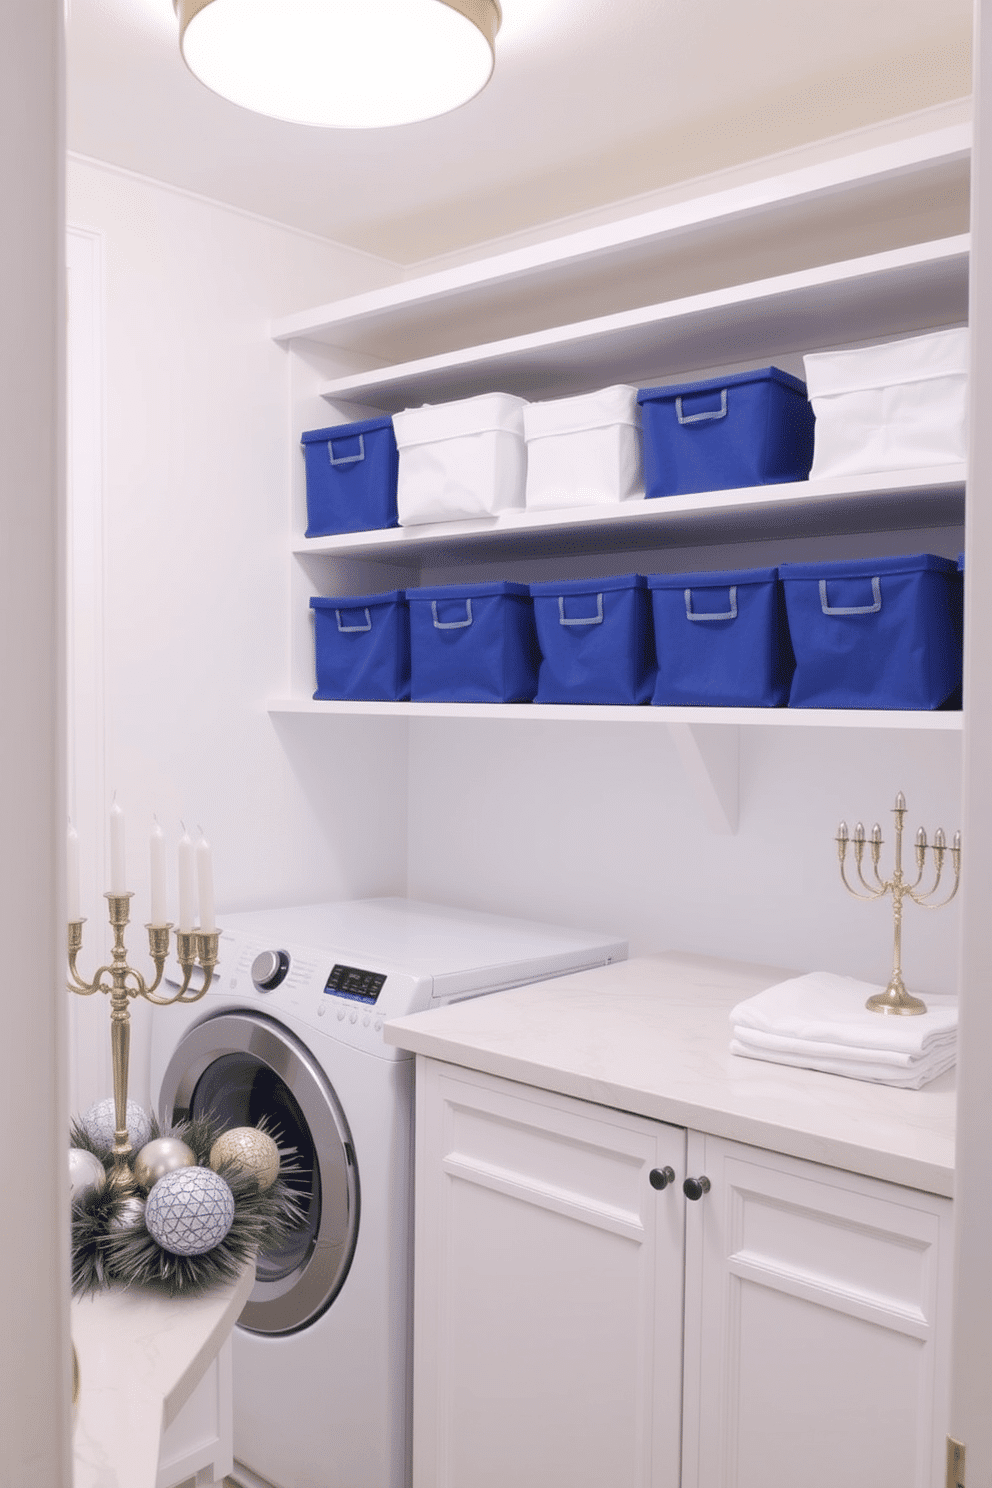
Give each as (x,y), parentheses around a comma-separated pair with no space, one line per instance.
(352,981)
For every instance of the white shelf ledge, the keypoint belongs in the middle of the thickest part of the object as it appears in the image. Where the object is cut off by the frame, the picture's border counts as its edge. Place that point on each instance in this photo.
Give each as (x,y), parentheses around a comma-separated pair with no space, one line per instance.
(902,499)
(947,722)
(898,291)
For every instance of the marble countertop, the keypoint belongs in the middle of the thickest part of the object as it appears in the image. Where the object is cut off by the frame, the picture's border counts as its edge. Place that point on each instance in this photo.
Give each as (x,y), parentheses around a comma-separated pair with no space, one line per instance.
(141,1355)
(651,1036)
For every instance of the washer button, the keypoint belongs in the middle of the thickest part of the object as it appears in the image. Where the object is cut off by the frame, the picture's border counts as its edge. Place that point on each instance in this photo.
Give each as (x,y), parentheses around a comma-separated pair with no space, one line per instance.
(354,1018)
(366,1021)
(378,1025)
(321,1009)
(340,1015)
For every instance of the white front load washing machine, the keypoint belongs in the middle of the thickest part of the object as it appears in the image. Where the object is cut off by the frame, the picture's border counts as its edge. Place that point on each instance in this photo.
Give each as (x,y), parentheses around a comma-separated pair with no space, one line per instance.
(291,1030)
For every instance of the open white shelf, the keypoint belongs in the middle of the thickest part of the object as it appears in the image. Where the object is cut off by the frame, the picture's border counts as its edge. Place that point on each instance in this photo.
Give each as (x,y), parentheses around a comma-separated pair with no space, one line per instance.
(845,252)
(856,204)
(948,722)
(933,497)
(903,290)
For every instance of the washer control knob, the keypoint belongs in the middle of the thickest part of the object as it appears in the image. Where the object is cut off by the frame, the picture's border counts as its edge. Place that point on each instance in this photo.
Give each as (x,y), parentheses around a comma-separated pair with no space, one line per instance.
(268,969)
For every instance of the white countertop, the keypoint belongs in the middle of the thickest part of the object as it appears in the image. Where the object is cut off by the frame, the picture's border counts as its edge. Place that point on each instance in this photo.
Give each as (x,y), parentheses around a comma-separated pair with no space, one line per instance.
(651,1036)
(141,1355)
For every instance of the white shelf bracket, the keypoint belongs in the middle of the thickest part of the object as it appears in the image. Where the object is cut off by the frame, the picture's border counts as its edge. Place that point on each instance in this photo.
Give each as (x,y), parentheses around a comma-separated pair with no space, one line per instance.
(710,756)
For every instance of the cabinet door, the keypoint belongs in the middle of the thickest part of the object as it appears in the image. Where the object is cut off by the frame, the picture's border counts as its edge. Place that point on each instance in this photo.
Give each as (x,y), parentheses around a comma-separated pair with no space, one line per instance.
(817,1309)
(548,1290)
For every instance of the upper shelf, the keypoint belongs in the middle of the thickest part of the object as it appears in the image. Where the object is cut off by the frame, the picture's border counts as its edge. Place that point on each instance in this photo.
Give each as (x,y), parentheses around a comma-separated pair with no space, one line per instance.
(899,291)
(902,193)
(900,500)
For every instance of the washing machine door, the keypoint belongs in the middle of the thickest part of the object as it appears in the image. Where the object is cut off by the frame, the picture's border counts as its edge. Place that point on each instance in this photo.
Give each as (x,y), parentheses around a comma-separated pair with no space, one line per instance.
(240,1067)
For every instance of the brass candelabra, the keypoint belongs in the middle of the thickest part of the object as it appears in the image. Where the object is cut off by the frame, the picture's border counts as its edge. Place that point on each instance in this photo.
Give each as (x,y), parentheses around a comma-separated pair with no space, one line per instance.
(895,998)
(124,984)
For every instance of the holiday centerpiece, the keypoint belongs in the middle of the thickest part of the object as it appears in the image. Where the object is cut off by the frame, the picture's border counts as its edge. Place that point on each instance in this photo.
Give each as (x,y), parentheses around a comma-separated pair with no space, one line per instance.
(180,1207)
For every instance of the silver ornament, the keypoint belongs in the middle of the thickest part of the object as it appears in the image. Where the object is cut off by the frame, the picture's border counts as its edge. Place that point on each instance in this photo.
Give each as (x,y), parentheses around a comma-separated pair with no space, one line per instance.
(86,1171)
(99,1123)
(249,1149)
(159,1157)
(189,1211)
(131,1216)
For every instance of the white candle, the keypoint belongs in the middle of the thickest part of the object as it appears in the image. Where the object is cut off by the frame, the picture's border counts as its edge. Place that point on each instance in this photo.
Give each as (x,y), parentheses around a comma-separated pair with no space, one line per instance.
(158,907)
(205,880)
(72,875)
(186,875)
(118,872)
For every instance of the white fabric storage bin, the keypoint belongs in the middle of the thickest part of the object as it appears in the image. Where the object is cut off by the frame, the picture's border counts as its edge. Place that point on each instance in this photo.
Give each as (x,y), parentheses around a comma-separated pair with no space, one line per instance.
(457,460)
(891,407)
(584,451)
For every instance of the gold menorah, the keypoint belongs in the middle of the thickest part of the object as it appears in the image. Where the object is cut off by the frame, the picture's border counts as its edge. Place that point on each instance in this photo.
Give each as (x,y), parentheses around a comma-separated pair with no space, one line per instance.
(123,983)
(895,998)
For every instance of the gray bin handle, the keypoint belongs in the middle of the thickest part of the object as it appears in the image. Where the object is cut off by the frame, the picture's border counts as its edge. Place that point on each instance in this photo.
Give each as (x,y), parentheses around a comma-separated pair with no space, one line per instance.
(698,418)
(872,609)
(452,624)
(731,614)
(347,459)
(352,629)
(596,619)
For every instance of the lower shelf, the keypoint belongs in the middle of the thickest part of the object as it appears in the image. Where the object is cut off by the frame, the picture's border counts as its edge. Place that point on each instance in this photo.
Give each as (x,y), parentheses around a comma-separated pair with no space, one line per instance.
(588,713)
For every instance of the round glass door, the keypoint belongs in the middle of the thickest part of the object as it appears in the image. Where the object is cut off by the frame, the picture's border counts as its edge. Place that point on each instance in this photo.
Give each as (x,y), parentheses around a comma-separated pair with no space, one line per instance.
(243,1068)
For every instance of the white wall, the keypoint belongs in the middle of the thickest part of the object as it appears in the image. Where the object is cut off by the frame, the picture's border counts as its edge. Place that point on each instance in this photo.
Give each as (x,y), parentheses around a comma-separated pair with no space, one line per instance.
(198,453)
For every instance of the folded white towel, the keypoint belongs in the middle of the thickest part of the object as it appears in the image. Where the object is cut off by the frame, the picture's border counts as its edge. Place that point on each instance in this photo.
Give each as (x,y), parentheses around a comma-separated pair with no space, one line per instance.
(774,1043)
(912,1077)
(822,1008)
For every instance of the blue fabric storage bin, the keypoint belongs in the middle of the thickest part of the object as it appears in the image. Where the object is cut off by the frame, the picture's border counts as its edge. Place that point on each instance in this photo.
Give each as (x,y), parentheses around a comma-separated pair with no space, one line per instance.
(472,643)
(362,645)
(748,429)
(351,477)
(596,640)
(721,639)
(874,632)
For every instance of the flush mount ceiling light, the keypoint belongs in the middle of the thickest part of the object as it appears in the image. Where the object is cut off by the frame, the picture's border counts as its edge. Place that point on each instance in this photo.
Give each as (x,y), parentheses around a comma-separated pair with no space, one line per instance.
(346,64)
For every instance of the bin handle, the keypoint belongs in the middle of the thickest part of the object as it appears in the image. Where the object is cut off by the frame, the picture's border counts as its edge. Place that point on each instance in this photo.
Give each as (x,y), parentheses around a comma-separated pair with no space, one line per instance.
(452,624)
(872,609)
(596,619)
(698,418)
(351,629)
(731,614)
(347,459)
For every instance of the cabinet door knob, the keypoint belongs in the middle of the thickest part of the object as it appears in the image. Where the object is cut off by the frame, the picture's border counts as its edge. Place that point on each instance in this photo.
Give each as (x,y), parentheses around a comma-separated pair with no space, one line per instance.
(694,1188)
(661,1177)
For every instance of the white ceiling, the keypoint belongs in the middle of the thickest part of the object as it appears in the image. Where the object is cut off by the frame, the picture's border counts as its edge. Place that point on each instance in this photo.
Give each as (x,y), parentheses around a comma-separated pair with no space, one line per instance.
(591,101)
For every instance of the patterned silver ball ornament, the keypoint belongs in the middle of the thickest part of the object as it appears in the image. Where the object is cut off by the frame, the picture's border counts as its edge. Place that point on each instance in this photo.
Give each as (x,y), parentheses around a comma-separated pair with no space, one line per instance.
(99,1124)
(189,1211)
(86,1171)
(162,1156)
(250,1150)
(131,1216)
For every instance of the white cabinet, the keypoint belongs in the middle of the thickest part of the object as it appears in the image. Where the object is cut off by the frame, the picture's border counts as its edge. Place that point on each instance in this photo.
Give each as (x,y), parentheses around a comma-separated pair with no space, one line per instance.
(576,1324)
(817,1326)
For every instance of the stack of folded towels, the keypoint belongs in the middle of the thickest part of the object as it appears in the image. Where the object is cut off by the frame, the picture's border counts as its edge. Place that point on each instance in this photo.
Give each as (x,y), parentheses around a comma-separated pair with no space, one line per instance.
(820,1022)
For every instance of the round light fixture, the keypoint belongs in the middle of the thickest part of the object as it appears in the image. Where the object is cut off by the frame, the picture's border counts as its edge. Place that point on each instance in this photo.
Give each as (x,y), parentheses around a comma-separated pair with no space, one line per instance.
(345,64)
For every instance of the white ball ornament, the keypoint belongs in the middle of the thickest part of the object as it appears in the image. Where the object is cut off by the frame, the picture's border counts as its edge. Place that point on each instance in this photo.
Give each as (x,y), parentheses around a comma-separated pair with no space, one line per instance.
(163,1155)
(86,1172)
(189,1211)
(99,1123)
(249,1149)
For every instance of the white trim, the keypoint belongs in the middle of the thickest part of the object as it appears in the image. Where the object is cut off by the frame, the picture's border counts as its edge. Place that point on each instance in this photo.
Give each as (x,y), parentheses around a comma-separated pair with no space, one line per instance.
(75,158)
